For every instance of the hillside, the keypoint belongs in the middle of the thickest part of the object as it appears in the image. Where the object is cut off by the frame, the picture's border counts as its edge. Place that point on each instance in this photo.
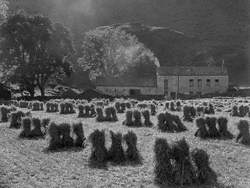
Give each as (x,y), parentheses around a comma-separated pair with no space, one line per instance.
(169,46)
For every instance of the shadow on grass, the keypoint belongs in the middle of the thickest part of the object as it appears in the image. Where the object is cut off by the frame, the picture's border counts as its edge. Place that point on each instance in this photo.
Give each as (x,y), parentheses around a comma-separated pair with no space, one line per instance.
(206,185)
(225,138)
(64,149)
(139,126)
(104,165)
(98,165)
(138,162)
(14,128)
(215,185)
(127,163)
(31,138)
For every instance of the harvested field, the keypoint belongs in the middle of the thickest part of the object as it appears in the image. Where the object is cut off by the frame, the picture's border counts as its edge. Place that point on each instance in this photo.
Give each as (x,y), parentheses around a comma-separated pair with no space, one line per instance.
(27,163)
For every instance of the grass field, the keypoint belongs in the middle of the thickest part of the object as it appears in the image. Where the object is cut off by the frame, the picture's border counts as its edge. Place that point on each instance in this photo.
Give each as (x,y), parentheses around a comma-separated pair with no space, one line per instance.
(26,163)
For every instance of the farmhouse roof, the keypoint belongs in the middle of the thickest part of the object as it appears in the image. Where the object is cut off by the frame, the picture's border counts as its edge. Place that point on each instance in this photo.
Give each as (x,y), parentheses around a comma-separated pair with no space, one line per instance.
(127,82)
(192,71)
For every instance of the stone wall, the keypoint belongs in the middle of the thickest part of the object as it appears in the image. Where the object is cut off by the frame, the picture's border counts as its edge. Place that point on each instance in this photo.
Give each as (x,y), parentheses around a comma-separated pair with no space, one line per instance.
(125,91)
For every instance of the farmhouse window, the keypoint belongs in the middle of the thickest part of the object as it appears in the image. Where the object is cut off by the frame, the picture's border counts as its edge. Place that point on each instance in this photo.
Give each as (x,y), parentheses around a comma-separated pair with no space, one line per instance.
(165,87)
(208,83)
(191,83)
(217,82)
(199,83)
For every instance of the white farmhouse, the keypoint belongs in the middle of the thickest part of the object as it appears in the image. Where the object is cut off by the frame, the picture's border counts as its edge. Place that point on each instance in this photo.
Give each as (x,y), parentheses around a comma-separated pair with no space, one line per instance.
(169,81)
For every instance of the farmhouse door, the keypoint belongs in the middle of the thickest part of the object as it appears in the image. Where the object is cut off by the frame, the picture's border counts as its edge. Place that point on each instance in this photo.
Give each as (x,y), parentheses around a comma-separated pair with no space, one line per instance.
(166,87)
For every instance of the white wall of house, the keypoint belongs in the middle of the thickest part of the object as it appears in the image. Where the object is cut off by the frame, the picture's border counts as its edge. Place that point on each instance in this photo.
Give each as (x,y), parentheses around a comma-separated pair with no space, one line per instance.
(172,84)
(217,84)
(181,84)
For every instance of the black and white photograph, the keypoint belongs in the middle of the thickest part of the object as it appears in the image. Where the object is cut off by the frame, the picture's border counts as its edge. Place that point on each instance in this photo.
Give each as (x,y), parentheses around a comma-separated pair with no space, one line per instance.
(124,93)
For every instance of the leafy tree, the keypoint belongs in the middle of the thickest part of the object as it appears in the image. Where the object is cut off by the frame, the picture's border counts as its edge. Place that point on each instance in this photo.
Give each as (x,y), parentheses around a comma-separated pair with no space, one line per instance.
(111,52)
(34,51)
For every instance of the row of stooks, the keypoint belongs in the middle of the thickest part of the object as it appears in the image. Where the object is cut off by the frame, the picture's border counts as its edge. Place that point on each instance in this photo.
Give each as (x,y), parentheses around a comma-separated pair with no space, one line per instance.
(65,108)
(211,127)
(60,135)
(166,121)
(205,108)
(133,116)
(119,104)
(173,163)
(88,109)
(190,112)
(85,109)
(66,135)
(240,111)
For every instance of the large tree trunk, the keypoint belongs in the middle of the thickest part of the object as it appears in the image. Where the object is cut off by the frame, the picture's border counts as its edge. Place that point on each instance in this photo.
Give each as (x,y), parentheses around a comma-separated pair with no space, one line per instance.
(41,82)
(42,90)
